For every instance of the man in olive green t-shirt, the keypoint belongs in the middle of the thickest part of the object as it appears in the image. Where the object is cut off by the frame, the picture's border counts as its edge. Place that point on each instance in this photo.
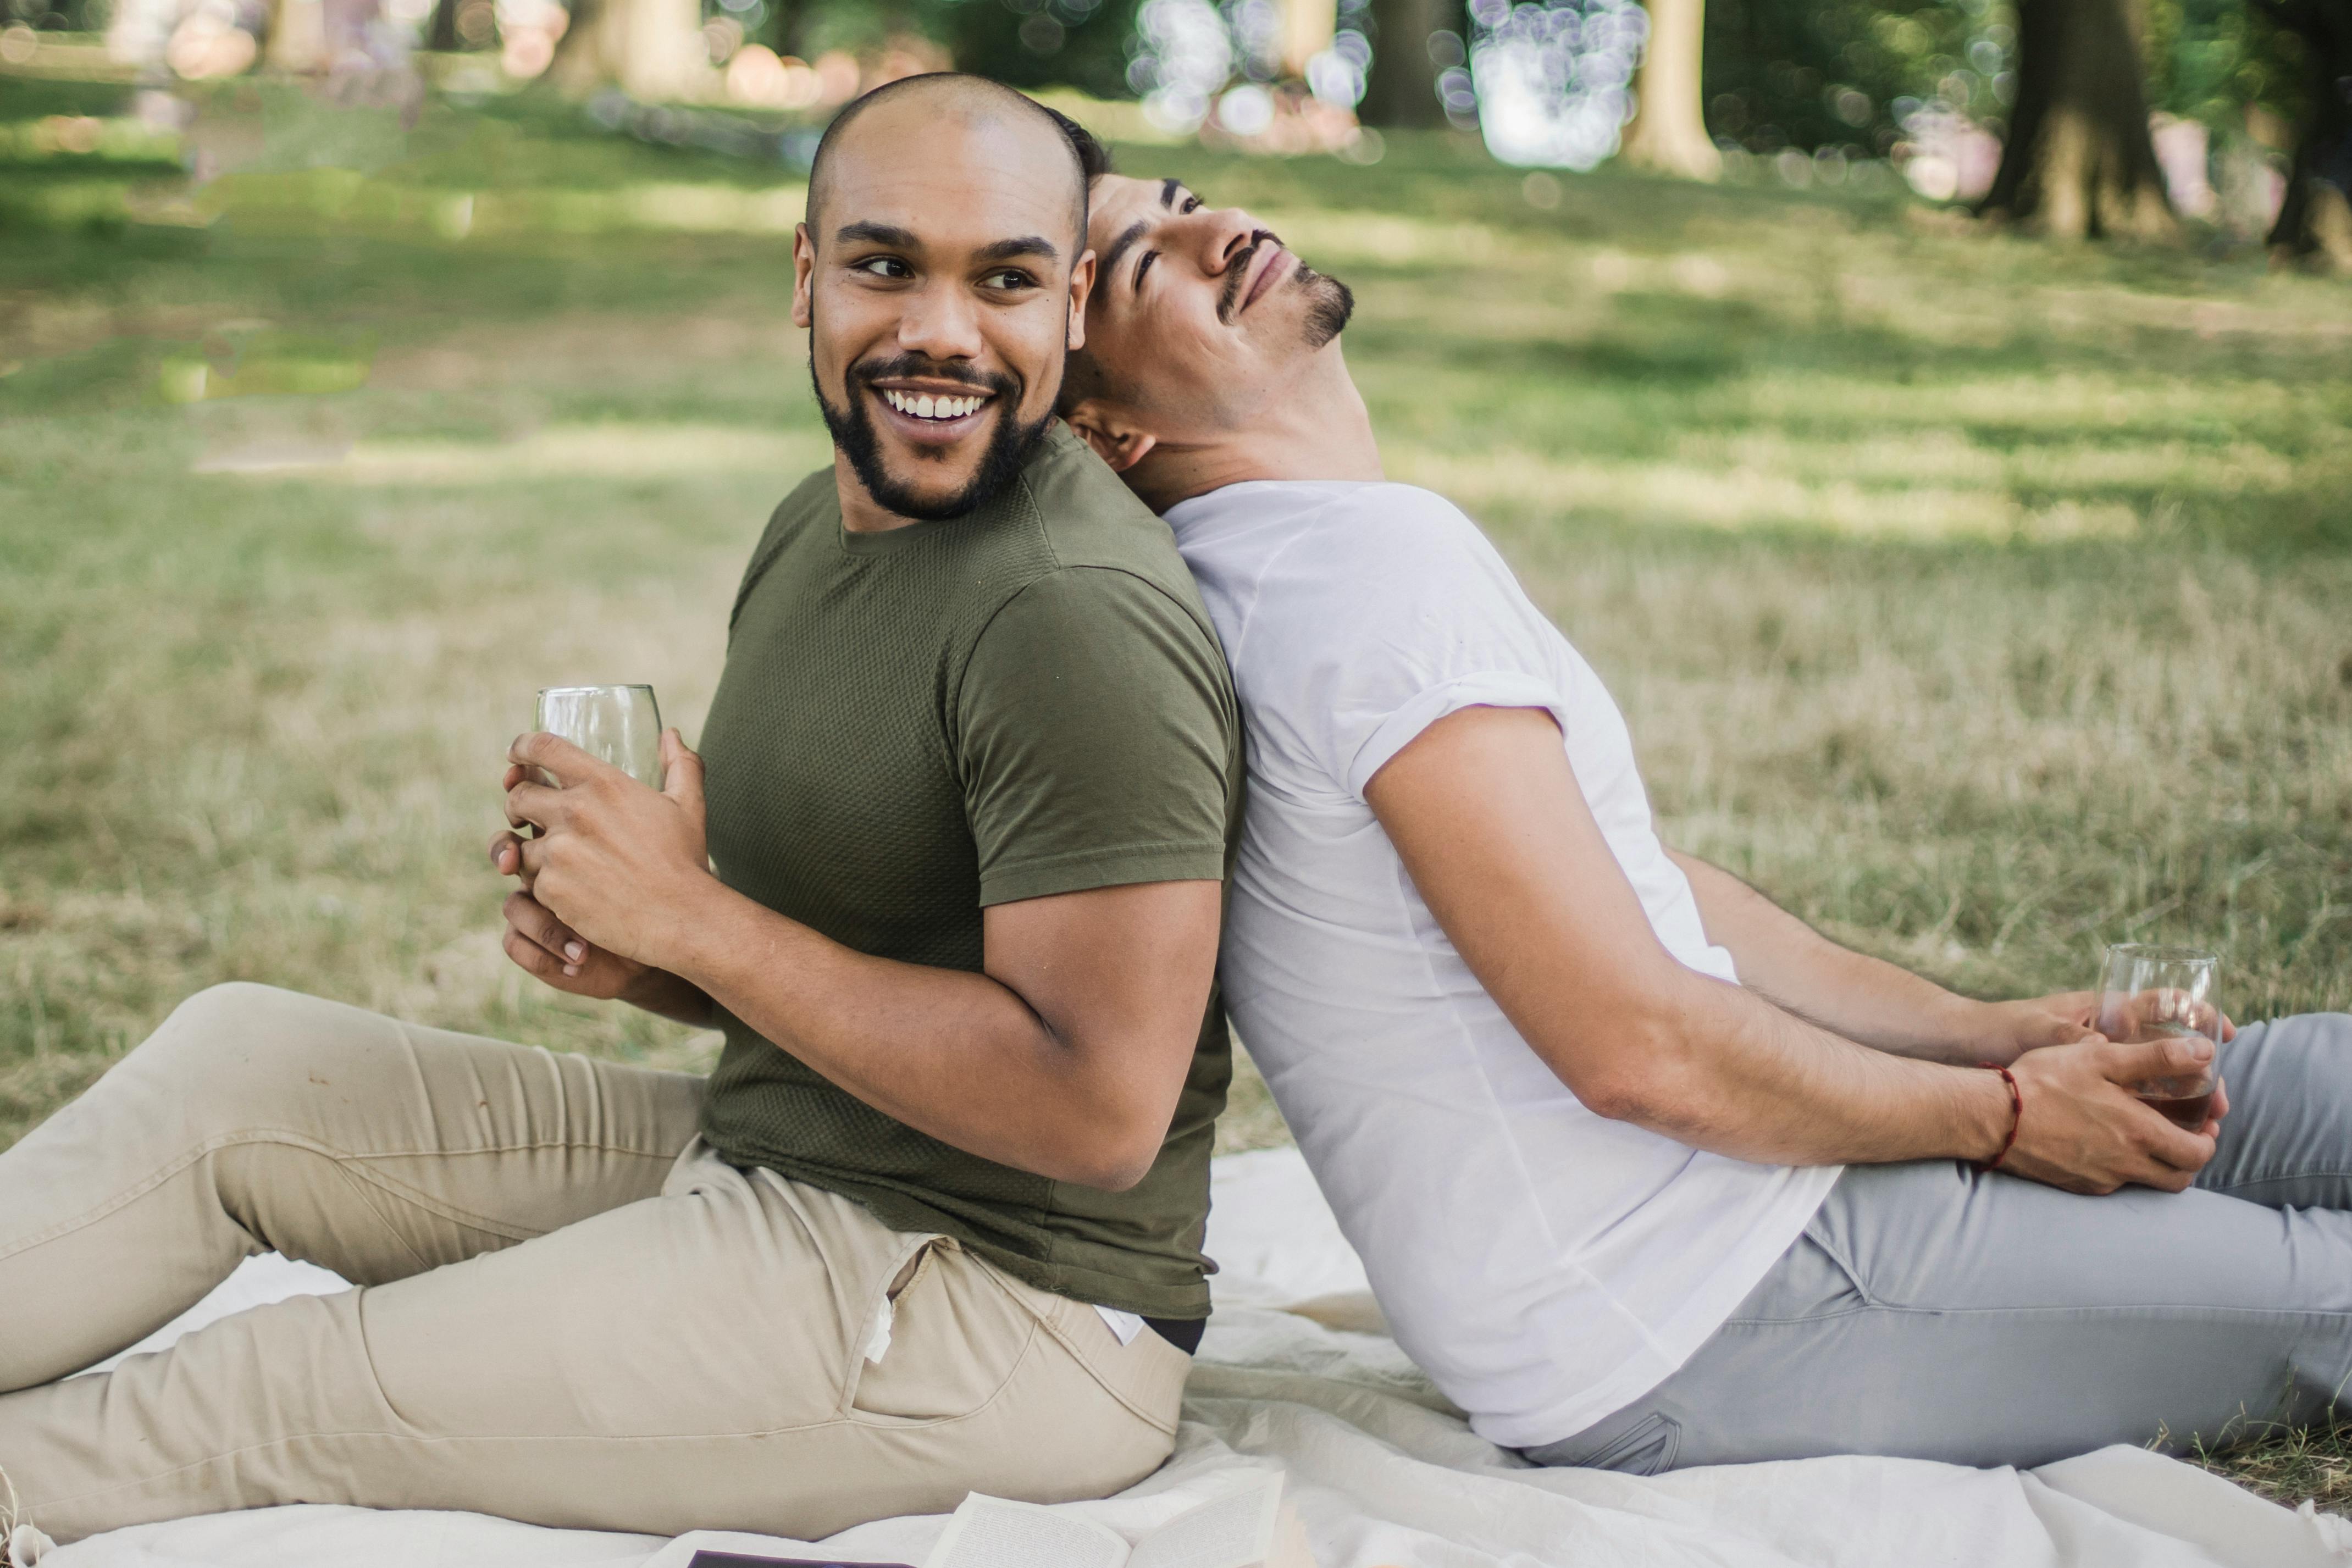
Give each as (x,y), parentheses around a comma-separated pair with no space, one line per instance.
(970,784)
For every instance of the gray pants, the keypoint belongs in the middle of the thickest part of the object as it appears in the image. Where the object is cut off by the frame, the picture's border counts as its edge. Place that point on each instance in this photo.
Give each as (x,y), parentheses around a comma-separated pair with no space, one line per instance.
(1931,1312)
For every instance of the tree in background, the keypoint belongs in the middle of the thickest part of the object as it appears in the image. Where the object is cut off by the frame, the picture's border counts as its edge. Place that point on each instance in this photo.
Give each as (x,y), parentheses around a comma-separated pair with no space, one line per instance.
(2315,219)
(2078,162)
(1401,90)
(1082,43)
(1846,75)
(1668,135)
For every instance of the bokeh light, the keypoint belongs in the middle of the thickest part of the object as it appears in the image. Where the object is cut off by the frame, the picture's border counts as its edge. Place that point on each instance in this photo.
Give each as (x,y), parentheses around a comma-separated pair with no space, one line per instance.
(1553,81)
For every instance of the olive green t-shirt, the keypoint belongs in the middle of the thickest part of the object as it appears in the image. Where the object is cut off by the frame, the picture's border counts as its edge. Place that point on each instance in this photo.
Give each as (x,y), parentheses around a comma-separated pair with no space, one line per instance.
(914,725)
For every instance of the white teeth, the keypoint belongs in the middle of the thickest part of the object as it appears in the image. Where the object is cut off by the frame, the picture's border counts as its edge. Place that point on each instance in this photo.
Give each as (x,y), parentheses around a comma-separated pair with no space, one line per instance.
(924,405)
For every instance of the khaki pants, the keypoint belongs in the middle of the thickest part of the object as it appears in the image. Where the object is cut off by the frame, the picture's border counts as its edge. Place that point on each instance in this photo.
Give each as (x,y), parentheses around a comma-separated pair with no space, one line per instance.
(564,1319)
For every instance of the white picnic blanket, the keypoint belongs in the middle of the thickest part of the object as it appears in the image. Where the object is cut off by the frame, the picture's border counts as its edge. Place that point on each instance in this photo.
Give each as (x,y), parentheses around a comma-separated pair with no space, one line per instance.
(1382,1471)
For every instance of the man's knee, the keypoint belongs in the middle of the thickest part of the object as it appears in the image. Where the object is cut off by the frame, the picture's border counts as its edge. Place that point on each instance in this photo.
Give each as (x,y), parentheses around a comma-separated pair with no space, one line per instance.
(228,1043)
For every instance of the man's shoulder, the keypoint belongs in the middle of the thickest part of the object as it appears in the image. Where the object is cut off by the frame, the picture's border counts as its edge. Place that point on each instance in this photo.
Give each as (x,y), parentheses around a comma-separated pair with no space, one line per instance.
(1343,542)
(1089,516)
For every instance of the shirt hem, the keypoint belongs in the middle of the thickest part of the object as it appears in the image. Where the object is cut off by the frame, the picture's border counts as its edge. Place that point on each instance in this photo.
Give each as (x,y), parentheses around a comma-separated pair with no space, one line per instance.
(1200,862)
(1481,688)
(1712,1308)
(1089,1286)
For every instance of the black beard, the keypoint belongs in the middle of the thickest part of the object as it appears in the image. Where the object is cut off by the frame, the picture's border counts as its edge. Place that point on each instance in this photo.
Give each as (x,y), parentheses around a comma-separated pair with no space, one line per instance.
(1328,314)
(853,431)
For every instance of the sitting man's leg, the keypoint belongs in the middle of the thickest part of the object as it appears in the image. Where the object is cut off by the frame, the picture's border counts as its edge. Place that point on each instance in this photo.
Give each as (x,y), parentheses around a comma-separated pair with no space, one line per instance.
(1932,1312)
(257,1120)
(695,1358)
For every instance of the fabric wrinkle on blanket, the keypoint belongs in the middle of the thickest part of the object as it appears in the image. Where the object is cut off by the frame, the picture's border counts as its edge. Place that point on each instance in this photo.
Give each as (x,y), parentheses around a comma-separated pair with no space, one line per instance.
(1381,1468)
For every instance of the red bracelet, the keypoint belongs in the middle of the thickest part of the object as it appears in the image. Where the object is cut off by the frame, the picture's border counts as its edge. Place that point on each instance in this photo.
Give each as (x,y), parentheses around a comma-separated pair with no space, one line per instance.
(2016,1114)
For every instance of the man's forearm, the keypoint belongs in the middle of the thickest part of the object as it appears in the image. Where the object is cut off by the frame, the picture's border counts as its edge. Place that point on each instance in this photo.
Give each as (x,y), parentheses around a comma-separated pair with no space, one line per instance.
(1851,994)
(664,995)
(958,1055)
(1724,1071)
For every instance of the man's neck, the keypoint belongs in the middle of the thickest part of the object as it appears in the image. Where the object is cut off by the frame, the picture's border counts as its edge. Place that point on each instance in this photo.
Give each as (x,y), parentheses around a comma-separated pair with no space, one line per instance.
(860,512)
(1318,430)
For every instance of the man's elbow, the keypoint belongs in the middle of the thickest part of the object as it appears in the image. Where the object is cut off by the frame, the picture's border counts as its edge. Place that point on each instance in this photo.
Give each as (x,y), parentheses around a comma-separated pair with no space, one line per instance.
(1113,1155)
(1632,1078)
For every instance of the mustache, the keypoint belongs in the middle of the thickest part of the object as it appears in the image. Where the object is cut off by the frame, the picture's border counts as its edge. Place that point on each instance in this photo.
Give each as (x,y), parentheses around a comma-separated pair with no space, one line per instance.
(1238,274)
(882,366)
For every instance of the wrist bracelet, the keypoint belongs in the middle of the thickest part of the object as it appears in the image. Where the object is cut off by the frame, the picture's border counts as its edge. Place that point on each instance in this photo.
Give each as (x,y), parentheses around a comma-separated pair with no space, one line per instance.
(2016,1115)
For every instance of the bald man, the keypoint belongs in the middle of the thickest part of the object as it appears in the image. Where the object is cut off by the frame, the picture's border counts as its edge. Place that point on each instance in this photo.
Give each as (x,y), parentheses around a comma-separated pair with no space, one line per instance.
(970,785)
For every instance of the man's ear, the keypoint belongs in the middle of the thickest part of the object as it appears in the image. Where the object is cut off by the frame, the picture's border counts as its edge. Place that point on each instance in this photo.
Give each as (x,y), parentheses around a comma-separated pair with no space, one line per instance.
(1082,283)
(803,269)
(1117,439)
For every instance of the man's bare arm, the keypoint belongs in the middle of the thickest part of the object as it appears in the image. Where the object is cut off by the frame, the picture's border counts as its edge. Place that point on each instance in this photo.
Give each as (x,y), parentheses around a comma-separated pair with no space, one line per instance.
(1065,1057)
(1486,813)
(1864,998)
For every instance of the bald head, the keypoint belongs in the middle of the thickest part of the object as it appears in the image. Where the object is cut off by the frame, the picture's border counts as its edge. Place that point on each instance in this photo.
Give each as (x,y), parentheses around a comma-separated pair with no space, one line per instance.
(905,119)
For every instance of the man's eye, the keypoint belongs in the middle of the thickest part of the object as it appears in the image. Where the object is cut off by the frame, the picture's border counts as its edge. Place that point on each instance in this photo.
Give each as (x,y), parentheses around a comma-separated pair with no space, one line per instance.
(1009,277)
(883,267)
(1145,266)
(1192,202)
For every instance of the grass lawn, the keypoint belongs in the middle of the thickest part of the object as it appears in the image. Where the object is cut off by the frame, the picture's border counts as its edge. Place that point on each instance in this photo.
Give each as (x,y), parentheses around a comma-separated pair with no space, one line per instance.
(1983,602)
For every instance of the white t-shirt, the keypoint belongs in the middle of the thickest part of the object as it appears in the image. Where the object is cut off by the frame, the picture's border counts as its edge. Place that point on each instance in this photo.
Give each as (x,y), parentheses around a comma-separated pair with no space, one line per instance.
(1545,1266)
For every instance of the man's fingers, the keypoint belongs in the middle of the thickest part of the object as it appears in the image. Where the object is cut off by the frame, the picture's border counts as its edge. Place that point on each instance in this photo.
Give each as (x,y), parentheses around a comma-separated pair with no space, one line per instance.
(2175,1145)
(530,956)
(534,805)
(528,915)
(2134,1061)
(565,762)
(681,772)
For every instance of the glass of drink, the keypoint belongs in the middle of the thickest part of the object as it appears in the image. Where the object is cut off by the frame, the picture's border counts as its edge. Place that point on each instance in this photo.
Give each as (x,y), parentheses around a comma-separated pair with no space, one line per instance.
(619,725)
(2152,993)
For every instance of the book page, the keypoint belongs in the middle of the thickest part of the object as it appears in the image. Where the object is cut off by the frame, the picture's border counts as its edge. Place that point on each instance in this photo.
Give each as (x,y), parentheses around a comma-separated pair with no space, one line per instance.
(1236,1531)
(993,1533)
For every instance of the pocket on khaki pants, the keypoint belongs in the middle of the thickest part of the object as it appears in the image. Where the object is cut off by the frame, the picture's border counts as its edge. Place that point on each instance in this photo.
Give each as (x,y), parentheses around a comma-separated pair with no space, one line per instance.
(957,1336)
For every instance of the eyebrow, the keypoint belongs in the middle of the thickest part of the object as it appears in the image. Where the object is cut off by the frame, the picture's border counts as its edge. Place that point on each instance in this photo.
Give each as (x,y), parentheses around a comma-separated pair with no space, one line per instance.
(1168,189)
(1121,245)
(876,234)
(1013,249)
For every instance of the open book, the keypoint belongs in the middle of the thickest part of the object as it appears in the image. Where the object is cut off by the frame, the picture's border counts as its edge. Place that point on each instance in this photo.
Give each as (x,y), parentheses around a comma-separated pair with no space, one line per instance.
(1250,1528)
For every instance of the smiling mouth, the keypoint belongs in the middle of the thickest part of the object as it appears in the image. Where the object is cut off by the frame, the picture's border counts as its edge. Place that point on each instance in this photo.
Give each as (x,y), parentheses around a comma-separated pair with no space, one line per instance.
(1268,276)
(938,408)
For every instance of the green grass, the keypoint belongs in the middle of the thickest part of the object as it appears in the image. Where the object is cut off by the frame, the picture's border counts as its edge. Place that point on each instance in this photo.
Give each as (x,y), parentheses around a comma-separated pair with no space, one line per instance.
(1983,602)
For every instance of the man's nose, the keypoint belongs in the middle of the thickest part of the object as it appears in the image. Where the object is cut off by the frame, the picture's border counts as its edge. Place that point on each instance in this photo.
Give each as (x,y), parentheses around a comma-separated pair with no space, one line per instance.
(1226,232)
(939,322)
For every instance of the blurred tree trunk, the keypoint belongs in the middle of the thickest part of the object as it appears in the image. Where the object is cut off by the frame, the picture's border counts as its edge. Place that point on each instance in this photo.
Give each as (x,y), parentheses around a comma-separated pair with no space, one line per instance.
(1668,135)
(2079,163)
(1402,89)
(653,48)
(442,35)
(298,36)
(2315,221)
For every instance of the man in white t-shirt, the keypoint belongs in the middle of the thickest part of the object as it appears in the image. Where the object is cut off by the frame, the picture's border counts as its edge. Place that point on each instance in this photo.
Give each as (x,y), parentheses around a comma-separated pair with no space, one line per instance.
(1646,1173)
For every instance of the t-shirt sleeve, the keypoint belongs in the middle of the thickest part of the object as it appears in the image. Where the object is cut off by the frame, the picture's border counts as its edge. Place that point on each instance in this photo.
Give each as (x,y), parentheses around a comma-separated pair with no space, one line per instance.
(1420,619)
(1096,729)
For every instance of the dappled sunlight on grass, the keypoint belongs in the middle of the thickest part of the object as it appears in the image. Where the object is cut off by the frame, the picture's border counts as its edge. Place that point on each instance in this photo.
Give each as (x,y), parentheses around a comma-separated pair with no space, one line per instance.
(1748,493)
(576,453)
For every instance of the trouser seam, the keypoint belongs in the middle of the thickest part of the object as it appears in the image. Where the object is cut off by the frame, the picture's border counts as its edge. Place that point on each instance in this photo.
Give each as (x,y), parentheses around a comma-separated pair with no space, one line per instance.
(2283,1178)
(433,1440)
(340,1157)
(2122,1308)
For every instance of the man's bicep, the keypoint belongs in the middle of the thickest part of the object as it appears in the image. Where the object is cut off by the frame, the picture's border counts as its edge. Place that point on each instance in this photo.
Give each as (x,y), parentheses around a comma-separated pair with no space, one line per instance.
(1122,972)
(1485,812)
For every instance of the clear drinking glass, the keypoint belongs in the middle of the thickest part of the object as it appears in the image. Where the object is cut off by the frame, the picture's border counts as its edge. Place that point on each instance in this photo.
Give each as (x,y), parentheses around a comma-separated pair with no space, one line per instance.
(619,725)
(2152,992)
